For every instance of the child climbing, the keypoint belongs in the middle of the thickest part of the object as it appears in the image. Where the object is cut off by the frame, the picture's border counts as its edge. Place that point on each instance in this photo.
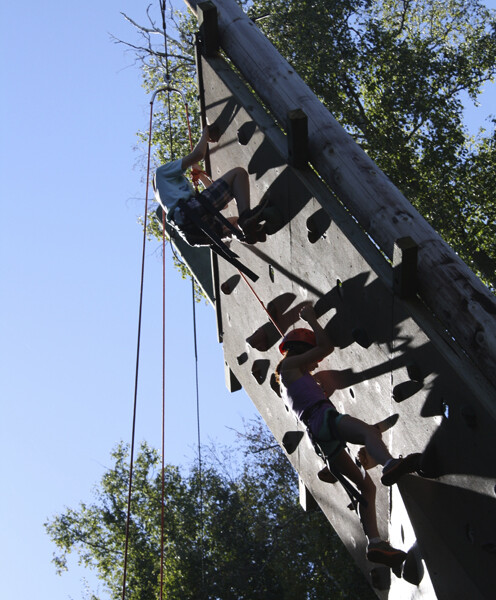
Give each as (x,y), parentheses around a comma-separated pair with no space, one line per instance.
(177,196)
(303,349)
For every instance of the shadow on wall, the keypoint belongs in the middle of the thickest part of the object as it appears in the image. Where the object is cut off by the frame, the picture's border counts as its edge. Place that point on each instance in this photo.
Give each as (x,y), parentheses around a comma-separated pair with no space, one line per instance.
(455,526)
(460,444)
(263,160)
(456,534)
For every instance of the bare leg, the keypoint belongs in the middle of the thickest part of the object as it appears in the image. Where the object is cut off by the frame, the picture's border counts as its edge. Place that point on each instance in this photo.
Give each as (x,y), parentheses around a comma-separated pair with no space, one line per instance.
(378,551)
(355,431)
(366,486)
(365,459)
(238,182)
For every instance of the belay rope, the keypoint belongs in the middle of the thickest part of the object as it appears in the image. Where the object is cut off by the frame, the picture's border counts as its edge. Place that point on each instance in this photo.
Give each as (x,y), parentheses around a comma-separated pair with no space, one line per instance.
(196,174)
(140,312)
(169,89)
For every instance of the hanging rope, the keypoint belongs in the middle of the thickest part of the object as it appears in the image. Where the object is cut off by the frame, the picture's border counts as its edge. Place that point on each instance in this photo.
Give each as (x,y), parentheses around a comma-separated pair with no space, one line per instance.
(195,176)
(140,312)
(163,4)
(135,403)
(162,502)
(196,173)
(200,472)
(262,304)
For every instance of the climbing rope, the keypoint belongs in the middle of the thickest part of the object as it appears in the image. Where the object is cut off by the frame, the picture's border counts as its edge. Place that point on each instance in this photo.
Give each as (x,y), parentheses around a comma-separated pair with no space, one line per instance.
(262,304)
(162,502)
(200,472)
(163,4)
(138,344)
(196,174)
(140,312)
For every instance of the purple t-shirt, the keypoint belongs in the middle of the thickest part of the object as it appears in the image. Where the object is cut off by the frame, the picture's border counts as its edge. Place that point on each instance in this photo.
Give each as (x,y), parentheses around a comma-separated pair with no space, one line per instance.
(301,395)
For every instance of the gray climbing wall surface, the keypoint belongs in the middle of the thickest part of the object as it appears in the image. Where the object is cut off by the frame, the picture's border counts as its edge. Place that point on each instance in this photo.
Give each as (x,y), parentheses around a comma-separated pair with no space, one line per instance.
(384,361)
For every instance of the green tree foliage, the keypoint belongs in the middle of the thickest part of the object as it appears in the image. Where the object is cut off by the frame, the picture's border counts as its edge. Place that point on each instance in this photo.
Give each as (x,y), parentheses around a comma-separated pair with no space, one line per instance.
(168,62)
(393,72)
(246,538)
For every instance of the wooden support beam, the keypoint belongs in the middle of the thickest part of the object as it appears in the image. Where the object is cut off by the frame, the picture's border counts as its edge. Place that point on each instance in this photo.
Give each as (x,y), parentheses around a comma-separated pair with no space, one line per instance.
(405,267)
(297,138)
(209,30)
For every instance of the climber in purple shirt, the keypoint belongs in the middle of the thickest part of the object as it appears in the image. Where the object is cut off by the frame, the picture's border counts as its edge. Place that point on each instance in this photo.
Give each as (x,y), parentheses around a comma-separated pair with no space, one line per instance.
(303,349)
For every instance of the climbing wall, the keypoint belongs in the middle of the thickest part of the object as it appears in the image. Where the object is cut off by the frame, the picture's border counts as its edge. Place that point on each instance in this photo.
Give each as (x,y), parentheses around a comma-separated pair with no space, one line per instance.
(391,356)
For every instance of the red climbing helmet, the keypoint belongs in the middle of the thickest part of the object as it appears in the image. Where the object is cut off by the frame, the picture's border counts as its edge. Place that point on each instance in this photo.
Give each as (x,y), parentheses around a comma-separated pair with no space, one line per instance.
(298,335)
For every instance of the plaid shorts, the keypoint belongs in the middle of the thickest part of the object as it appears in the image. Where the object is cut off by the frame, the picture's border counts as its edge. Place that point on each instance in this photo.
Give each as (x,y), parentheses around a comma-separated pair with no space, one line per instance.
(218,194)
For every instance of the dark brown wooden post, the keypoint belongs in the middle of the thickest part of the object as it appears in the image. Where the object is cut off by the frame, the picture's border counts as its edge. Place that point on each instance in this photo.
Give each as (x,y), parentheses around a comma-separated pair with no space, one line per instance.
(297,138)
(209,30)
(405,267)
(232,382)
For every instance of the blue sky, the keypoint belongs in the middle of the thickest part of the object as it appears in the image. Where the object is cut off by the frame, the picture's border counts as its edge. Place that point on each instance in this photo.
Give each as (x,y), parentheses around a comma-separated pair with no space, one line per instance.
(71,195)
(72,190)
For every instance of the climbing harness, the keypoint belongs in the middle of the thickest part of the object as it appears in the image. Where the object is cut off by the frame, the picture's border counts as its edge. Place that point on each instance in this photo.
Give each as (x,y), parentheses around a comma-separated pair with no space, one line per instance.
(306,336)
(354,495)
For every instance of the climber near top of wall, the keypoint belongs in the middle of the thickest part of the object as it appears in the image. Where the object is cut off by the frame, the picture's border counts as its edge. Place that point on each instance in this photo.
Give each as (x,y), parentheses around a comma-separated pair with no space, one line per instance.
(178,198)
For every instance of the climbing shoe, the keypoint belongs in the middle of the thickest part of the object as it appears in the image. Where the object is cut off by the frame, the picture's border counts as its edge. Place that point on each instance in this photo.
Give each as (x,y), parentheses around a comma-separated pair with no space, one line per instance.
(249,220)
(383,553)
(399,467)
(253,237)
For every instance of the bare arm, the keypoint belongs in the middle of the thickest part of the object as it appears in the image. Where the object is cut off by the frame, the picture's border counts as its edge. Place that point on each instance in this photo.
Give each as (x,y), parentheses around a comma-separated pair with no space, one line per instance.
(202,176)
(307,313)
(323,345)
(198,152)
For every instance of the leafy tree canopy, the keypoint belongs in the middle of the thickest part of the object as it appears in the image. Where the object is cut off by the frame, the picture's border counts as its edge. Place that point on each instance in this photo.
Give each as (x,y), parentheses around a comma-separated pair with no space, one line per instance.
(232,532)
(394,73)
